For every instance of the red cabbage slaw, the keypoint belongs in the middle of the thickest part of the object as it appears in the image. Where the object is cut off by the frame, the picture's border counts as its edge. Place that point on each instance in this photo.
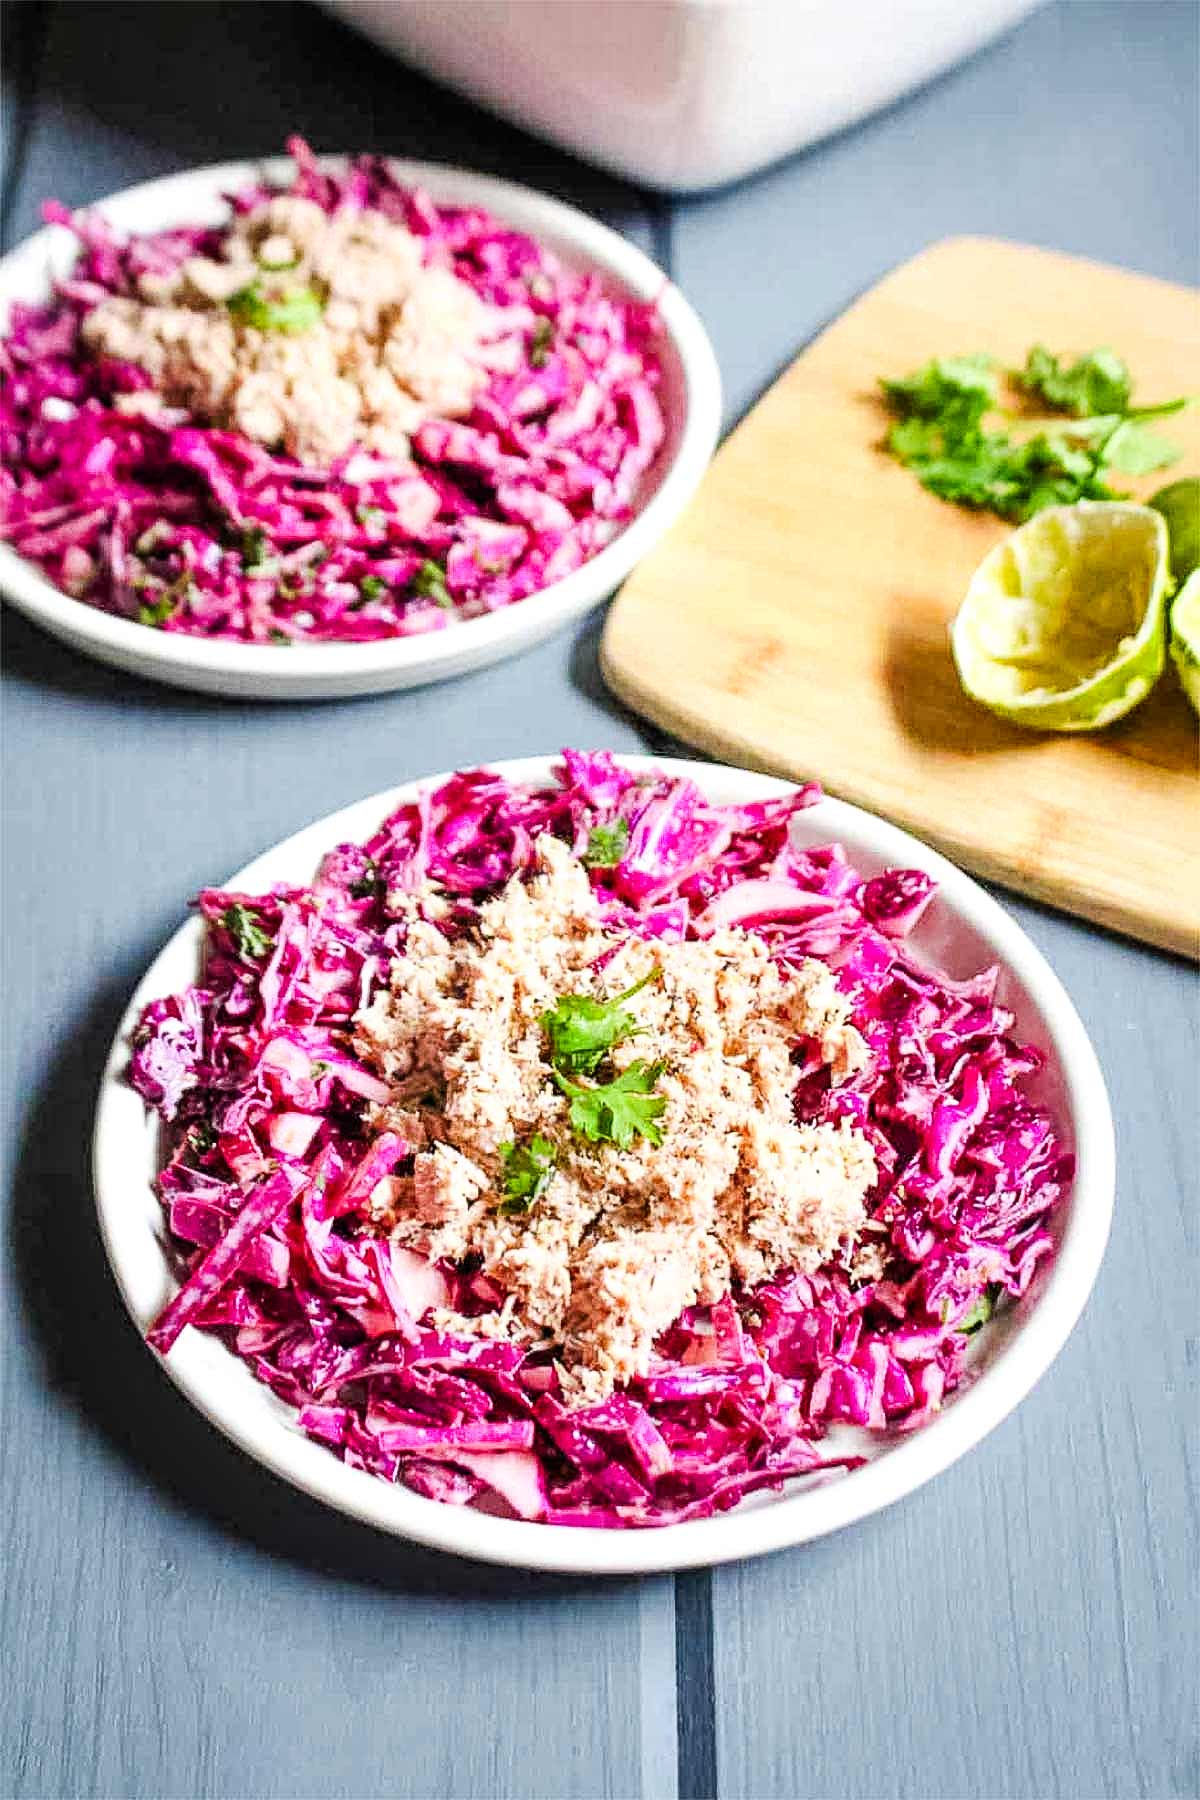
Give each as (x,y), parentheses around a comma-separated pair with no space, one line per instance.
(206,533)
(269,1166)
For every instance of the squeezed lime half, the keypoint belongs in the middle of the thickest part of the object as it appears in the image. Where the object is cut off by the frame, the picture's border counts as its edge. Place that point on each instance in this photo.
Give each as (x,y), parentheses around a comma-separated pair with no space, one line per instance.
(1185,636)
(1062,625)
(1179,505)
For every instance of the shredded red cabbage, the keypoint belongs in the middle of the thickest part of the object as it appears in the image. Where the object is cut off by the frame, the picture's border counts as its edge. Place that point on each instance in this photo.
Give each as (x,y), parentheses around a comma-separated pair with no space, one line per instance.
(270,1164)
(204,532)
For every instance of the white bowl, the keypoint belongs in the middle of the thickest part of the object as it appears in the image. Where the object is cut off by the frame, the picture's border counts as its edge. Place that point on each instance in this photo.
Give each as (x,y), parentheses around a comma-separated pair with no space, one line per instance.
(690,395)
(963,931)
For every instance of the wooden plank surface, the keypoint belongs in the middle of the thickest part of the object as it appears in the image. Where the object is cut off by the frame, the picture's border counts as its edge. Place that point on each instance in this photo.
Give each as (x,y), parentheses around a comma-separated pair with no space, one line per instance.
(178,1627)
(177,1624)
(1017,1629)
(796,618)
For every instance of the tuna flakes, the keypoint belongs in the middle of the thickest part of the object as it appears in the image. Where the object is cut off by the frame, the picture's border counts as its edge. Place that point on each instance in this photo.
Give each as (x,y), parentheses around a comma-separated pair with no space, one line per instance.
(387,341)
(619,1241)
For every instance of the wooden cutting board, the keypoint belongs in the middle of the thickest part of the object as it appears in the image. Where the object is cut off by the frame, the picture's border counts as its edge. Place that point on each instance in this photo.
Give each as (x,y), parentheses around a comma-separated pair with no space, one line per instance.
(796,617)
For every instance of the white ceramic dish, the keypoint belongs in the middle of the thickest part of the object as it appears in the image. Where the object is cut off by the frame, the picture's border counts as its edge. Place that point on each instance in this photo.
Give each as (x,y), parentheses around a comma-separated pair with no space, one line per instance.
(964,931)
(683,93)
(690,392)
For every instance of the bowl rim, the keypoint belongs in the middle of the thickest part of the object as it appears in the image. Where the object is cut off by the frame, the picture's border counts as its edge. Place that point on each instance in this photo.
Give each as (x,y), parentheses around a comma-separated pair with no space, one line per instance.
(792,1518)
(573,234)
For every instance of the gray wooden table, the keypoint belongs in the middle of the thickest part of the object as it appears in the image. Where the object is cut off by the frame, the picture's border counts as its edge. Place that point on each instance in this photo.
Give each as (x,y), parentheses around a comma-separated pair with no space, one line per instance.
(179,1624)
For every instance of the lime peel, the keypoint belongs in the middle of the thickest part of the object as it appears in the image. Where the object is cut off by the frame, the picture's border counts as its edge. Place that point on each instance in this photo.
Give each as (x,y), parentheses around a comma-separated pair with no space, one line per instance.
(1179,504)
(1061,628)
(1185,636)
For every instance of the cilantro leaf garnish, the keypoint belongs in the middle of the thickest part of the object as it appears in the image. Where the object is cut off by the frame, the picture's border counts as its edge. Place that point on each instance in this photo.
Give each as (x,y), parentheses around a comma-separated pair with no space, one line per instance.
(201,1138)
(430,582)
(617,1111)
(373,587)
(985,470)
(295,587)
(961,388)
(582,1030)
(246,931)
(1096,383)
(296,310)
(369,885)
(1135,451)
(540,341)
(158,611)
(978,1315)
(254,549)
(525,1172)
(606,845)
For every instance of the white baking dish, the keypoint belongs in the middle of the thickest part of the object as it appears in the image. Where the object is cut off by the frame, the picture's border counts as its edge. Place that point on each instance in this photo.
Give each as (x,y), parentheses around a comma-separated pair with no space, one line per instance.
(683,94)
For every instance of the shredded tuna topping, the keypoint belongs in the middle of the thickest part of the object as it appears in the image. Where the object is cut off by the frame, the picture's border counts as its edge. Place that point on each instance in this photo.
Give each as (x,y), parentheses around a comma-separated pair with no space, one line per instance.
(618,1241)
(308,330)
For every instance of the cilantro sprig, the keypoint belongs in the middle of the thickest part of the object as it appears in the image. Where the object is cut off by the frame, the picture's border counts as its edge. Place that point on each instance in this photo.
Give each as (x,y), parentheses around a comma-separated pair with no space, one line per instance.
(977,1316)
(246,931)
(617,1111)
(201,1138)
(257,553)
(939,432)
(297,309)
(955,391)
(540,342)
(1096,383)
(370,884)
(525,1171)
(430,583)
(582,1031)
(606,845)
(157,612)
(167,602)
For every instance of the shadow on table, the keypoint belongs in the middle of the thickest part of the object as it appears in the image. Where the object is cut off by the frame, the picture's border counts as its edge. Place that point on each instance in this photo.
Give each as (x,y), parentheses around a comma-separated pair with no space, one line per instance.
(128,73)
(96,1363)
(586,678)
(583,670)
(33,657)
